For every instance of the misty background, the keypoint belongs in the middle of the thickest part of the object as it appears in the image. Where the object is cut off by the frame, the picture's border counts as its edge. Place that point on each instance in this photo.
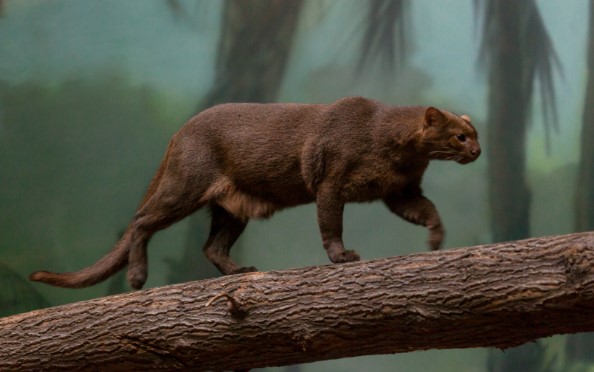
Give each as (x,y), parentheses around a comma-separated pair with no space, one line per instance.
(91,92)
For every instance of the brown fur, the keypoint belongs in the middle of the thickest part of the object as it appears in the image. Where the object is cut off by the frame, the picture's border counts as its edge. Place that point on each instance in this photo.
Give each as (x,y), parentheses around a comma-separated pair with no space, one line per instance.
(249,160)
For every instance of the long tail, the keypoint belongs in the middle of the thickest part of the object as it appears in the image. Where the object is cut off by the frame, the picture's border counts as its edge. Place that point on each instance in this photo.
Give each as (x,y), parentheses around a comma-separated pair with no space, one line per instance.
(108,265)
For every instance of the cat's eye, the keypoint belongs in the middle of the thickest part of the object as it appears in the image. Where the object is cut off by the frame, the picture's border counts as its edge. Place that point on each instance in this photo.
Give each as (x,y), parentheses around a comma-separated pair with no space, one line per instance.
(461,137)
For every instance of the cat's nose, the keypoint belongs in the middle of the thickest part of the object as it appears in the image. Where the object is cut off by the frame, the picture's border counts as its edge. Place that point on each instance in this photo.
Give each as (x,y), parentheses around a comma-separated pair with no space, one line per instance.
(475,151)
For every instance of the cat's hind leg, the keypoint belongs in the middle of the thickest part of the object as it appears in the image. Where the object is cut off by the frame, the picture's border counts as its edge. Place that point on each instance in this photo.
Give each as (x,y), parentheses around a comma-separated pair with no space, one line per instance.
(155,216)
(224,231)
(176,196)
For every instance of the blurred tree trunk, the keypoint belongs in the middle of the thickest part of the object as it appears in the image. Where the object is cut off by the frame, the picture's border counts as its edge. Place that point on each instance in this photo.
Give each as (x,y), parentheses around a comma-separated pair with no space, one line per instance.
(254,47)
(509,195)
(255,42)
(585,181)
(518,51)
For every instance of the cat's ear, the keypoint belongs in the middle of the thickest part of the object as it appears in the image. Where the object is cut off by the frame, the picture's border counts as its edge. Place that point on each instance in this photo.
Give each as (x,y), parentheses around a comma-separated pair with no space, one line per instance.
(466,118)
(434,117)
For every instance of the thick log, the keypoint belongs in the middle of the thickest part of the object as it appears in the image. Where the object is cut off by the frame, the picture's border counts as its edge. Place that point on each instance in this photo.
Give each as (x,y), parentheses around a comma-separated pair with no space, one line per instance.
(499,295)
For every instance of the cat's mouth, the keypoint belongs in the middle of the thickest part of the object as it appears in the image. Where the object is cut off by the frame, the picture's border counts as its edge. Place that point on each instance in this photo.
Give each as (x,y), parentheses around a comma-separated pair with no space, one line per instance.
(460,157)
(469,158)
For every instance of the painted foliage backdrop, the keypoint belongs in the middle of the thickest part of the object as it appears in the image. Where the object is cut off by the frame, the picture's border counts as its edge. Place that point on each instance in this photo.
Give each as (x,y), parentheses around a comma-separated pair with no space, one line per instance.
(90,93)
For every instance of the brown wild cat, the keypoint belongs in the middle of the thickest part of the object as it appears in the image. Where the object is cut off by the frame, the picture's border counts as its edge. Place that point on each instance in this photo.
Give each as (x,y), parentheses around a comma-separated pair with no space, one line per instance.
(245,160)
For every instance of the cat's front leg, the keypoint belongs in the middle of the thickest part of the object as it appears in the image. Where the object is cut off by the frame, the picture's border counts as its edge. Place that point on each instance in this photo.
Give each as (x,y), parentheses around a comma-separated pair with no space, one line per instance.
(330,210)
(416,208)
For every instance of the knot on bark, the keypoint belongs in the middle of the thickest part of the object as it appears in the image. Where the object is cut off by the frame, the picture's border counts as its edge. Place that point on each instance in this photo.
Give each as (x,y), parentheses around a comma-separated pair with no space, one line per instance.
(578,263)
(235,307)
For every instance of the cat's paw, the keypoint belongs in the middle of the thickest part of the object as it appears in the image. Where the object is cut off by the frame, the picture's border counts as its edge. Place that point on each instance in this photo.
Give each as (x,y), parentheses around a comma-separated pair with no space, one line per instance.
(350,256)
(436,239)
(137,277)
(345,256)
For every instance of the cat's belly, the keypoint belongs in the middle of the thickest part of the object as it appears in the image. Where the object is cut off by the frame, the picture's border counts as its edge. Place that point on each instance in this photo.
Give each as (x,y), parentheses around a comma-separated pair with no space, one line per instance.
(259,201)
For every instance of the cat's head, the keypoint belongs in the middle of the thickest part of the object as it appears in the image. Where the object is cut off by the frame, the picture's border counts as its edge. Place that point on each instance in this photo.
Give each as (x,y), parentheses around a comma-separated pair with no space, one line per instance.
(447,136)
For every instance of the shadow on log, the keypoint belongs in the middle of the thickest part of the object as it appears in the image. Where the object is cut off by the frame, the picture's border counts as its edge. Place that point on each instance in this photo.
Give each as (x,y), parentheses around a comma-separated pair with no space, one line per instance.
(498,295)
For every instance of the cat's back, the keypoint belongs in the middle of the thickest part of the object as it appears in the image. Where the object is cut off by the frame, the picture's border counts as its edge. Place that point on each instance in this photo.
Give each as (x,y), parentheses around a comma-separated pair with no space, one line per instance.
(247,117)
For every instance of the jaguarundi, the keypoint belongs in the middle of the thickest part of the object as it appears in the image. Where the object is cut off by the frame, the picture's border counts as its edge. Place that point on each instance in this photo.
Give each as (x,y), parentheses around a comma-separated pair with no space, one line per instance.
(247,160)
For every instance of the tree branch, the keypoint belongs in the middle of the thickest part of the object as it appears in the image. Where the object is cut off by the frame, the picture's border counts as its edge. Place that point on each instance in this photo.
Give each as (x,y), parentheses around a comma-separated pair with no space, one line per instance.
(499,295)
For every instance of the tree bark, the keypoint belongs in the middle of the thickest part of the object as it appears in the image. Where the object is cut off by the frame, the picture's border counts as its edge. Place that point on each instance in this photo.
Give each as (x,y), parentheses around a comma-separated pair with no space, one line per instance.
(499,295)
